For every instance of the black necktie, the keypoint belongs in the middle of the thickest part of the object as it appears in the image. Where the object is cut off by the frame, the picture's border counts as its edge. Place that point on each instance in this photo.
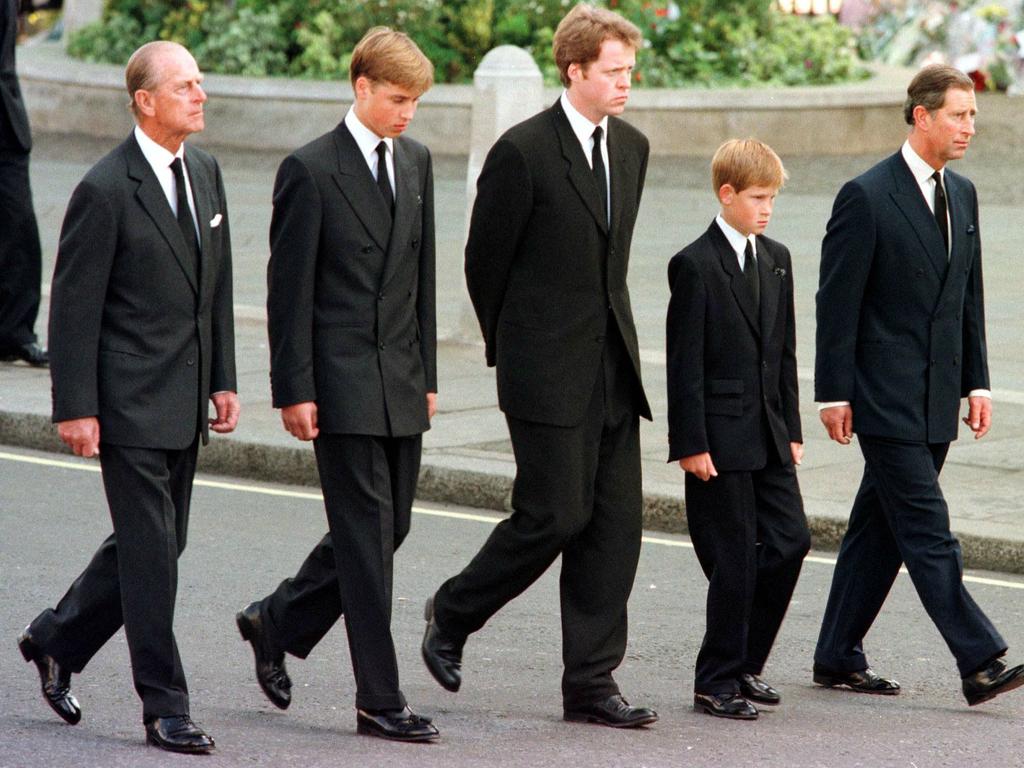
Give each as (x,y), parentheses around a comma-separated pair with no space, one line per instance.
(383,184)
(940,210)
(185,220)
(597,163)
(750,273)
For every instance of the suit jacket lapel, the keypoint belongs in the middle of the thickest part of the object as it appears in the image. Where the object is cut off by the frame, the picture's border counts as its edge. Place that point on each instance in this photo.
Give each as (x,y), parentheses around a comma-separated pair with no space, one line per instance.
(407,201)
(908,198)
(202,191)
(580,174)
(153,200)
(731,265)
(357,184)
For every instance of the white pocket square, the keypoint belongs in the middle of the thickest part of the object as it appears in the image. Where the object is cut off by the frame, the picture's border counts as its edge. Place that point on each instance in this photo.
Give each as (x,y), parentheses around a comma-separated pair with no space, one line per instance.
(215,221)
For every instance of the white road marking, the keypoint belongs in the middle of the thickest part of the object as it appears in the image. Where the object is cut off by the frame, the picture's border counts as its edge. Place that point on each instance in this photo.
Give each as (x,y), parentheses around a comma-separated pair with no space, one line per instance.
(493,518)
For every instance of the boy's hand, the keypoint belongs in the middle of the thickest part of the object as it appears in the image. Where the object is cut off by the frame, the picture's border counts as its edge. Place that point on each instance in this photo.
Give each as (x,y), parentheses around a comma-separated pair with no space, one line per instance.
(699,464)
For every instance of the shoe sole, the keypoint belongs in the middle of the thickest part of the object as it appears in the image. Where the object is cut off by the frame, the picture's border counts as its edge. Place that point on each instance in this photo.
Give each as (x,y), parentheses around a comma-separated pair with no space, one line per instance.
(150,741)
(366,730)
(246,631)
(573,717)
(1016,682)
(708,711)
(827,681)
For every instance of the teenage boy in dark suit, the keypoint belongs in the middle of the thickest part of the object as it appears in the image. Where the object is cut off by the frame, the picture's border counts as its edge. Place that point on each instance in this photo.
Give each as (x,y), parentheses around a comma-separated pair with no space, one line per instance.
(734,426)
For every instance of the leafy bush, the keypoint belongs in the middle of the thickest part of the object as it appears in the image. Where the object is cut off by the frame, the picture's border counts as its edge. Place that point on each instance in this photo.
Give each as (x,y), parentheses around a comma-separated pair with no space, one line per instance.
(687,42)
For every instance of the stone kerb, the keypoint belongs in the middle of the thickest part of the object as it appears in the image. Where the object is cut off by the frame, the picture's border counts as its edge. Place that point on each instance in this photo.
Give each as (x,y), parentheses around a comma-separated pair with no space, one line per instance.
(68,96)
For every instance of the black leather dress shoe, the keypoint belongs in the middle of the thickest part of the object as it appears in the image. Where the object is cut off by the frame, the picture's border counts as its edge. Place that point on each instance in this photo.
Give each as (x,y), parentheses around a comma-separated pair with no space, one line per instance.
(989,682)
(753,687)
(395,724)
(31,353)
(441,653)
(864,681)
(730,705)
(54,679)
(178,733)
(270,671)
(614,712)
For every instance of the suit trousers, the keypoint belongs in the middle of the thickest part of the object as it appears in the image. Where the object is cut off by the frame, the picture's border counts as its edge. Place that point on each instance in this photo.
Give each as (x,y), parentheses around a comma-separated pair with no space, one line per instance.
(750,536)
(577,493)
(132,579)
(21,265)
(368,483)
(900,516)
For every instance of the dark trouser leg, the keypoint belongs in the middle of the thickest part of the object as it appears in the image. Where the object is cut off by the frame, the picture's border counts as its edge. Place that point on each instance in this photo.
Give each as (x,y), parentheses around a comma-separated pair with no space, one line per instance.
(721,517)
(908,485)
(782,542)
(868,562)
(598,566)
(149,493)
(20,254)
(368,485)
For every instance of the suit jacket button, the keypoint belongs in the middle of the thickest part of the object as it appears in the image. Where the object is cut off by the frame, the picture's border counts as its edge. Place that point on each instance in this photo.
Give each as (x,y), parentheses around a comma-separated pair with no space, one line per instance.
(920,273)
(367,249)
(380,297)
(190,361)
(381,345)
(415,243)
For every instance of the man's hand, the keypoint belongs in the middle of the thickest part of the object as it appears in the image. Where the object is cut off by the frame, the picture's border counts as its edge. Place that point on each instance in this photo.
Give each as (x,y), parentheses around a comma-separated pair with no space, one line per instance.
(300,420)
(228,408)
(838,421)
(431,404)
(699,464)
(979,415)
(81,435)
(796,450)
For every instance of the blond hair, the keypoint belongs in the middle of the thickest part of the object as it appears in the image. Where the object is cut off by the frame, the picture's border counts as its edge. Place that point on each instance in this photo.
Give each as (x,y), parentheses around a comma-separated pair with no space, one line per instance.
(580,34)
(744,163)
(384,55)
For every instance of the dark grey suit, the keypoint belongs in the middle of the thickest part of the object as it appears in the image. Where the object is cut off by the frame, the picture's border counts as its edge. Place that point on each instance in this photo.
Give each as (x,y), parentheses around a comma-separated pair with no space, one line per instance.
(139,340)
(547,275)
(20,254)
(352,328)
(901,336)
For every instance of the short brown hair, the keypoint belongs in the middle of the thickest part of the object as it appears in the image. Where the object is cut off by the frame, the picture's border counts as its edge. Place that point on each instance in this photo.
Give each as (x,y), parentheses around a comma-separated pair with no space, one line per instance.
(139,73)
(580,34)
(384,55)
(929,86)
(744,163)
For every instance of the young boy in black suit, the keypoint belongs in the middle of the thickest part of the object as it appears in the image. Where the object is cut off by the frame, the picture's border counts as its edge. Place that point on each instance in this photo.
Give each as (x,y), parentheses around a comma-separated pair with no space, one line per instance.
(734,426)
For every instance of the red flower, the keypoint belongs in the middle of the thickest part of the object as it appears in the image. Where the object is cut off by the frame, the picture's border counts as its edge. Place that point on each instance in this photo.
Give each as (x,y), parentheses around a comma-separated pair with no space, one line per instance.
(661,12)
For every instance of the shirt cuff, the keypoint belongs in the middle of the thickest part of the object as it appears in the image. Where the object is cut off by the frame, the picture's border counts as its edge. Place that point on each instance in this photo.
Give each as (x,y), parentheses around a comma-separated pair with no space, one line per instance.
(833,404)
(980,393)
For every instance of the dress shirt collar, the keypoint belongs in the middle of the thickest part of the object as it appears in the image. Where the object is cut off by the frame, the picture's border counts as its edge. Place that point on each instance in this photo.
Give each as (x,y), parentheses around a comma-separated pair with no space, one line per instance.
(366,139)
(921,171)
(736,240)
(581,126)
(155,154)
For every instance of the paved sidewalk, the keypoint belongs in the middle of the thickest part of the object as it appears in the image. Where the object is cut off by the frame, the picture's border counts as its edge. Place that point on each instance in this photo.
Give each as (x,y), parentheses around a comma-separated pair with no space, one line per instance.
(467,455)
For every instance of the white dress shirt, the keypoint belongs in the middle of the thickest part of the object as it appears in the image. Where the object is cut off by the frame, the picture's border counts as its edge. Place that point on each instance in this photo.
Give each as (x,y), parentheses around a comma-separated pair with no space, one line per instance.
(160,159)
(584,132)
(367,142)
(737,240)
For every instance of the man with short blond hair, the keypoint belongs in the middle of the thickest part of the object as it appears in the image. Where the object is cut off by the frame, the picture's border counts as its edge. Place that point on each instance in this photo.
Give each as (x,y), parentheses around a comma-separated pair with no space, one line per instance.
(353,368)
(546,264)
(142,335)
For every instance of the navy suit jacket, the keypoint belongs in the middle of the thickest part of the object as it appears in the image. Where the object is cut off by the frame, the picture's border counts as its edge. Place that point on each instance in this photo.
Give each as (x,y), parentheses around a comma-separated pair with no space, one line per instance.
(731,369)
(901,329)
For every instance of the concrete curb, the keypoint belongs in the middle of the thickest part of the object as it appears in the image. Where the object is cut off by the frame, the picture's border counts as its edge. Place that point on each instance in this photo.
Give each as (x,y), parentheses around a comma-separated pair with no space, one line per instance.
(445,484)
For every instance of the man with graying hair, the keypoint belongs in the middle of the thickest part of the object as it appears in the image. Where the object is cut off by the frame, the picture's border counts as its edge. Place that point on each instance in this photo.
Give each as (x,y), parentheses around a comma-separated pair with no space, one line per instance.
(142,335)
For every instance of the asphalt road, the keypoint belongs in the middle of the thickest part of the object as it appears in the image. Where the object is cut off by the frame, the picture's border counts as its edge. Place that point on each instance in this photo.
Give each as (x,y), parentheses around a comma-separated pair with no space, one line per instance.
(245,537)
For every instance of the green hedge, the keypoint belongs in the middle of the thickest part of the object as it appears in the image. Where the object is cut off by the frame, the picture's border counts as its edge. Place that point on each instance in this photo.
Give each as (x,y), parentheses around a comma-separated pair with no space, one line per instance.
(687,42)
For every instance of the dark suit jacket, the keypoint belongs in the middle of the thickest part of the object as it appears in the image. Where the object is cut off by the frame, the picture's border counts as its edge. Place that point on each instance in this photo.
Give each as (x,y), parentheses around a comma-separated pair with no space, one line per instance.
(730,368)
(14,129)
(351,300)
(136,337)
(544,270)
(901,332)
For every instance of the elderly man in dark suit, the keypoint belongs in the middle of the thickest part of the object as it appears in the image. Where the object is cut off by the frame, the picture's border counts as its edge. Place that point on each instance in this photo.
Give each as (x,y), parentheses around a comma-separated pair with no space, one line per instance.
(143,335)
(353,368)
(546,264)
(20,255)
(900,341)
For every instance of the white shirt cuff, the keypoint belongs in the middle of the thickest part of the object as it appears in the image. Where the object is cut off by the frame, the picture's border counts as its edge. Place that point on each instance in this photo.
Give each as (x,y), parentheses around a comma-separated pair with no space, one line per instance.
(833,404)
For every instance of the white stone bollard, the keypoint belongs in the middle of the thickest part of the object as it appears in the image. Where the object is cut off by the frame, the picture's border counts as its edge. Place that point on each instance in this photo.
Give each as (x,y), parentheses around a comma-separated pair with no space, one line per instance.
(507,89)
